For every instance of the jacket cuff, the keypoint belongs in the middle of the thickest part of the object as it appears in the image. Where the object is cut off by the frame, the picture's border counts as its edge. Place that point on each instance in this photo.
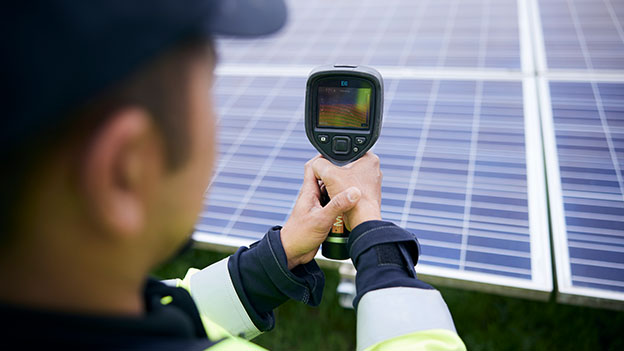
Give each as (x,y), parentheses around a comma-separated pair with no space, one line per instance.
(371,233)
(384,256)
(263,281)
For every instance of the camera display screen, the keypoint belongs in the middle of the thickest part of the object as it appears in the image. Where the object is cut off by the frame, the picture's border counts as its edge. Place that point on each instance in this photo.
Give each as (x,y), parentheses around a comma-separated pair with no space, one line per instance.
(344,107)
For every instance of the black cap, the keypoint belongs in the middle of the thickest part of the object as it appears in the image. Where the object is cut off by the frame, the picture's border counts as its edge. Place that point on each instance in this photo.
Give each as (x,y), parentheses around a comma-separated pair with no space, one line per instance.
(56,54)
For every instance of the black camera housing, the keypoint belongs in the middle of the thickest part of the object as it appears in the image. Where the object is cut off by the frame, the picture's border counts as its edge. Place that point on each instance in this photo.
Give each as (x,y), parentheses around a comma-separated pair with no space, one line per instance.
(337,142)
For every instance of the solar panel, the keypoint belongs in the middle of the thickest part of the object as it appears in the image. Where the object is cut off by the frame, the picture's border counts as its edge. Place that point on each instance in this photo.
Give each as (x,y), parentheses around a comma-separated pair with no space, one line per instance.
(397,33)
(584,139)
(461,162)
(583,34)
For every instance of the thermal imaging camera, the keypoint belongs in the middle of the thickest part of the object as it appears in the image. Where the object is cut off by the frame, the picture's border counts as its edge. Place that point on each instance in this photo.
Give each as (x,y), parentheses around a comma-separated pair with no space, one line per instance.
(343,117)
(343,111)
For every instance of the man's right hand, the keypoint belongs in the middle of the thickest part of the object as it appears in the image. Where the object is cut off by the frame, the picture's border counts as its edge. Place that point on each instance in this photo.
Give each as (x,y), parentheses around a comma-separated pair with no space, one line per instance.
(363,174)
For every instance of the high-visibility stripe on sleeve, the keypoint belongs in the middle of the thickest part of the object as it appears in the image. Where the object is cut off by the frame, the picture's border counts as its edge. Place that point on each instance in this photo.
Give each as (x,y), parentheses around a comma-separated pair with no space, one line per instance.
(388,313)
(427,340)
(217,301)
(235,344)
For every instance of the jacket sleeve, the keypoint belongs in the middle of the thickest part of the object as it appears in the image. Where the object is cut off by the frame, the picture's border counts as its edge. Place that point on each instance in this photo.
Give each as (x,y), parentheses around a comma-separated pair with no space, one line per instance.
(394,308)
(237,295)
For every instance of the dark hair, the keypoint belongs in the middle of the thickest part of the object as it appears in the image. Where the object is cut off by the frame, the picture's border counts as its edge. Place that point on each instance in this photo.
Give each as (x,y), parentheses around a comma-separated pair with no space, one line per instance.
(160,86)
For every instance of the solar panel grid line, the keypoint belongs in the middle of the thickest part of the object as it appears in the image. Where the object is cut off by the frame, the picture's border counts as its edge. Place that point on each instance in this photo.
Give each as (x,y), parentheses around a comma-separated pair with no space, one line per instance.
(388,72)
(598,281)
(378,35)
(607,131)
(419,152)
(618,25)
(350,28)
(411,34)
(579,75)
(579,34)
(448,29)
(512,270)
(229,103)
(602,264)
(506,232)
(484,33)
(600,235)
(472,155)
(475,248)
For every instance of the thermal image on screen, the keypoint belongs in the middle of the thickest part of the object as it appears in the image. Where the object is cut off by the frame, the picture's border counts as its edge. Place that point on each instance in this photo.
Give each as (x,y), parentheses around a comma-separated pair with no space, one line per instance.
(343,107)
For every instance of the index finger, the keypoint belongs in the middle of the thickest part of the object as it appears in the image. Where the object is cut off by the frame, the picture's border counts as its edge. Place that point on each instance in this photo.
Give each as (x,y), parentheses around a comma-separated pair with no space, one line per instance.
(310,183)
(320,166)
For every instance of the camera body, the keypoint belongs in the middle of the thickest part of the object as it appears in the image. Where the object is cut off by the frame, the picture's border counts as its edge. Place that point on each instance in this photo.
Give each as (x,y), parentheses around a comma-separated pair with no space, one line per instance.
(343,117)
(343,112)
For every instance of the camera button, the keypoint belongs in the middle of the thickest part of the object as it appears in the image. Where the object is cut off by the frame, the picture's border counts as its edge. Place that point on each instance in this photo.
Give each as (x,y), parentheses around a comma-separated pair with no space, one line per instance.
(324,139)
(360,140)
(341,145)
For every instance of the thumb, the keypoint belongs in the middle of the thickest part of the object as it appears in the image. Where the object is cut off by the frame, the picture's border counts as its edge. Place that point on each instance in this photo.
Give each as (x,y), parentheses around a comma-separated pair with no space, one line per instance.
(342,202)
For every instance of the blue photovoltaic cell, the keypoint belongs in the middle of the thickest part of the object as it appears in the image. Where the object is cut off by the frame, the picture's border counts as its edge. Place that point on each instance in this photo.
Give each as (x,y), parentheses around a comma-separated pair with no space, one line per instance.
(589,129)
(400,33)
(583,34)
(452,153)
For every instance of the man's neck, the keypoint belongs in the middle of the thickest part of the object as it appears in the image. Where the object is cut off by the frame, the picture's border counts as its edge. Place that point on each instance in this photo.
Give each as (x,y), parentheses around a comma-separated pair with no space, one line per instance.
(42,282)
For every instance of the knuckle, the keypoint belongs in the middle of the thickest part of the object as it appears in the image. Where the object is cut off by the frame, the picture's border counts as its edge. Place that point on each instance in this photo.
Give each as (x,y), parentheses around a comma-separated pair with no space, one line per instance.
(375,159)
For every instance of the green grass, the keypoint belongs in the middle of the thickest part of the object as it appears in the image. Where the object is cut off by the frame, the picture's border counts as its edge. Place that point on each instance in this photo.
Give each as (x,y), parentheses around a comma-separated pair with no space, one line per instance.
(484,321)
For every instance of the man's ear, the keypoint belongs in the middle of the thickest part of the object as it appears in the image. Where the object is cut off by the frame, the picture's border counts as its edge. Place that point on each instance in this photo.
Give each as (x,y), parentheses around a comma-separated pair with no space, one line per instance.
(120,170)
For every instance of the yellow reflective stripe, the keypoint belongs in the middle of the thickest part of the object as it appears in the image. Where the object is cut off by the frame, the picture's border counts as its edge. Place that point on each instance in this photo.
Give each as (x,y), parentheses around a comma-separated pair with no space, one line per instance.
(235,344)
(165,300)
(186,282)
(213,330)
(425,340)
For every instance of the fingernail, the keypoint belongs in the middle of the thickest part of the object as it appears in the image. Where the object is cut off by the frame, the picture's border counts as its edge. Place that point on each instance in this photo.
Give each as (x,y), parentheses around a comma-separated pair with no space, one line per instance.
(353,194)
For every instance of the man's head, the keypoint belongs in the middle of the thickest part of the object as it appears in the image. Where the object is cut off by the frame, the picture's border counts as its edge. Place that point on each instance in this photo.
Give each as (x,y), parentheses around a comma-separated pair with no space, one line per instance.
(111,135)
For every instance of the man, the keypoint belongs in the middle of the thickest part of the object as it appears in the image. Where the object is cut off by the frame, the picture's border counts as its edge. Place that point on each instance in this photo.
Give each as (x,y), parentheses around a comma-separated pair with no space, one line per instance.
(108,145)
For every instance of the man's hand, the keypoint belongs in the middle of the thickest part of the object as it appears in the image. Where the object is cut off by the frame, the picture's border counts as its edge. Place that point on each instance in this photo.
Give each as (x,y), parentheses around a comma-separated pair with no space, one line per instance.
(355,192)
(363,174)
(309,223)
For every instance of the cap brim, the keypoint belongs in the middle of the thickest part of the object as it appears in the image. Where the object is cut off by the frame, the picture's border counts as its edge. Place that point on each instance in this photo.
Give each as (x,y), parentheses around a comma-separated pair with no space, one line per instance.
(248,18)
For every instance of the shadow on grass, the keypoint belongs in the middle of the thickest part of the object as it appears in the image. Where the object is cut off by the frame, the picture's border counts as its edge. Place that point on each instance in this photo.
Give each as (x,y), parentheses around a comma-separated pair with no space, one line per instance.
(484,321)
